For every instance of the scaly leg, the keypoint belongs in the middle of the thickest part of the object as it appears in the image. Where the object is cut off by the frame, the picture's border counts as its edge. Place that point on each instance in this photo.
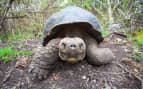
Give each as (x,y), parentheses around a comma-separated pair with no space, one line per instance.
(44,60)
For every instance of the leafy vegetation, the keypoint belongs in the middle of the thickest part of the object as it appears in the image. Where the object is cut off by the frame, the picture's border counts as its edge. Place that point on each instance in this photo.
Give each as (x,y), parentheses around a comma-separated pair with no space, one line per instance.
(136,55)
(9,53)
(138,38)
(105,32)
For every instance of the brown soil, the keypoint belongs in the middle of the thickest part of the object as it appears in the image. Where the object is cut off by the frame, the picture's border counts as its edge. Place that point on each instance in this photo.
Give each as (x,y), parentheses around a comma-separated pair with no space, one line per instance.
(122,73)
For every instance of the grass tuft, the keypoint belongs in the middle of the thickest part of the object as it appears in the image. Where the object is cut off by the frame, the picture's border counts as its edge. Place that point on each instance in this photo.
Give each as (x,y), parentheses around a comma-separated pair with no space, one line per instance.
(8,53)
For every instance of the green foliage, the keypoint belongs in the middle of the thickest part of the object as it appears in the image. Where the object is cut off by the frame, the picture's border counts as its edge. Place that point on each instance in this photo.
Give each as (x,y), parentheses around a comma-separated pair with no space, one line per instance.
(26,29)
(105,32)
(17,36)
(8,53)
(137,38)
(44,3)
(137,55)
(104,28)
(84,3)
(138,41)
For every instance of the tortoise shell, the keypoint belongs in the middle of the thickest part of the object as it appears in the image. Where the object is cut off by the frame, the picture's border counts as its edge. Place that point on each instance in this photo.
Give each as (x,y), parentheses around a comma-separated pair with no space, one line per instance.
(72,15)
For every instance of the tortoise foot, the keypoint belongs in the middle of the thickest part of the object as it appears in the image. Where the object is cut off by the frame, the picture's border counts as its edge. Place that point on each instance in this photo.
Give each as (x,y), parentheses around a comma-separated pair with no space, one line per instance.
(37,73)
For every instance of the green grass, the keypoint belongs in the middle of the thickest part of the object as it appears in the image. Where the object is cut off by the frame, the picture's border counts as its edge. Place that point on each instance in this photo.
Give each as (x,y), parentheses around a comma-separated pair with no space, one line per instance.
(16,36)
(19,36)
(105,32)
(136,55)
(22,33)
(8,53)
(138,38)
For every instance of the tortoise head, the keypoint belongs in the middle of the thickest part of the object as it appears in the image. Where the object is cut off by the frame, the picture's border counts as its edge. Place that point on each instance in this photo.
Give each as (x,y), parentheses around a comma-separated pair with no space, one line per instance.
(72,49)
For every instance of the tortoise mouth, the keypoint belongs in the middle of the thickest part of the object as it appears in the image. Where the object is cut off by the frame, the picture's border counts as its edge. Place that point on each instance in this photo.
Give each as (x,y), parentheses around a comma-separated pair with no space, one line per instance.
(72,49)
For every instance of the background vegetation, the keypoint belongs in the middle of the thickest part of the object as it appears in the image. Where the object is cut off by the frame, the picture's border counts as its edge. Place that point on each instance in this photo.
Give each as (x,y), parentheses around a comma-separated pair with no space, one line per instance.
(24,19)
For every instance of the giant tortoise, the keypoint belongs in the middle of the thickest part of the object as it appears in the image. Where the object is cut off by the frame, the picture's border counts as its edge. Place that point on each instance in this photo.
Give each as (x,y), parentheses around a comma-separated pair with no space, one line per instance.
(70,35)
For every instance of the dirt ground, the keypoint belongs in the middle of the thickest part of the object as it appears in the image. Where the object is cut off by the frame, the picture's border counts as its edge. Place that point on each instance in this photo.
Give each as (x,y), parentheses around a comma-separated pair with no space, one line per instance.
(122,73)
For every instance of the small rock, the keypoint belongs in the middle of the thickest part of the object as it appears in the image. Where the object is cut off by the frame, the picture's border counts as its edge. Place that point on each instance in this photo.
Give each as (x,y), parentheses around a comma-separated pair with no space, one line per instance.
(136,70)
(56,76)
(83,77)
(22,62)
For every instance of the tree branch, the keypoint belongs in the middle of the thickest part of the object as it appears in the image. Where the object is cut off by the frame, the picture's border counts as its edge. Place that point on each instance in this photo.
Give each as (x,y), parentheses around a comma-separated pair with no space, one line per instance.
(5,13)
(15,17)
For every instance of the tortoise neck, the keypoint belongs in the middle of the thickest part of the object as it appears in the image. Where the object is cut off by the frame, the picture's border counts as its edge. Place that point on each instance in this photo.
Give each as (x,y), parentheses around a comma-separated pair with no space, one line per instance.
(90,41)
(73,32)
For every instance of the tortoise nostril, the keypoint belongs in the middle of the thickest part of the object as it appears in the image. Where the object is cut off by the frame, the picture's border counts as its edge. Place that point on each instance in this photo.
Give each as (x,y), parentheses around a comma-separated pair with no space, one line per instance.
(73,46)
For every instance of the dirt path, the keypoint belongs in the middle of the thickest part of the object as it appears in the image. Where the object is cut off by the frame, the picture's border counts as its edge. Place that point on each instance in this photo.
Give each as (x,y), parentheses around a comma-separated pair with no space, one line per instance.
(123,73)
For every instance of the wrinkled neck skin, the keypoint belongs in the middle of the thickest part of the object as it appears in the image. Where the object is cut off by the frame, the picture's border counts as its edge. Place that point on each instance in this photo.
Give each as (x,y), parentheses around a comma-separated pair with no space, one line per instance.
(90,42)
(91,47)
(73,32)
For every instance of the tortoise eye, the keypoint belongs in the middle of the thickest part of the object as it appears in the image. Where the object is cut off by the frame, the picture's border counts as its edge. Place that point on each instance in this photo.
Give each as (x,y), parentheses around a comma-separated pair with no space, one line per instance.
(80,45)
(64,45)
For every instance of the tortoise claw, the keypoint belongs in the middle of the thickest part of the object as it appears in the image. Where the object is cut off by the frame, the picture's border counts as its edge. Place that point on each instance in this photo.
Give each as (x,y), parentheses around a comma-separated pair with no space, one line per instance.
(37,72)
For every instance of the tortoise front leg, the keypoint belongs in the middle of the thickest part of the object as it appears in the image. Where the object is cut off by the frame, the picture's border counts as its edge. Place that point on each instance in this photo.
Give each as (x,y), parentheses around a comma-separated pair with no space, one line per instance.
(44,60)
(98,56)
